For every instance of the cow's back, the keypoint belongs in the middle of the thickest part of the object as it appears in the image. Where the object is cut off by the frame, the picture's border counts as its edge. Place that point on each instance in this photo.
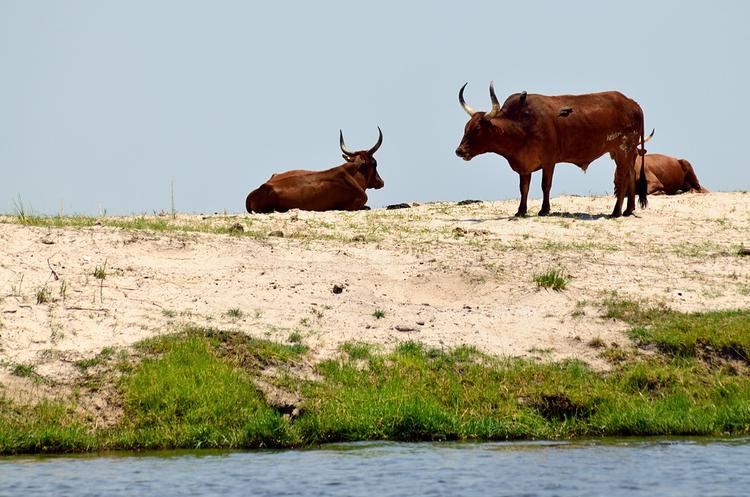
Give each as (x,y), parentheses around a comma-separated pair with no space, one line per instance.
(312,191)
(597,123)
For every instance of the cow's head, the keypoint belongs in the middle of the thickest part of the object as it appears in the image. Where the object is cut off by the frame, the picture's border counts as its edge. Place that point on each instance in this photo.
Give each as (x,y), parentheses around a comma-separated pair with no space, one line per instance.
(365,161)
(493,131)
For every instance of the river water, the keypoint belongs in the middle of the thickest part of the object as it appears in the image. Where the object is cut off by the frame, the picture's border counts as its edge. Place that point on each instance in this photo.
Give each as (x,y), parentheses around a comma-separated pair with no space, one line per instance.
(682,468)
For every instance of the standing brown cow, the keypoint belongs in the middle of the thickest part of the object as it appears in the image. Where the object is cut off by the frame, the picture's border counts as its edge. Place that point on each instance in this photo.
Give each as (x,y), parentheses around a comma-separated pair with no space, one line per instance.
(339,188)
(669,176)
(536,132)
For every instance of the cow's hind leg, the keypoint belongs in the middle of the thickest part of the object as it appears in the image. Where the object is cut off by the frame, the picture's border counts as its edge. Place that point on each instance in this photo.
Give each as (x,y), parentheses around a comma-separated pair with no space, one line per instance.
(691,183)
(547,172)
(525,181)
(625,180)
(630,181)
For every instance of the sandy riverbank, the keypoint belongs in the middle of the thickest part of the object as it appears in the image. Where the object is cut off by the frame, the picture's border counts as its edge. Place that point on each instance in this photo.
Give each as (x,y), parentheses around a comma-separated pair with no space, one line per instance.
(442,274)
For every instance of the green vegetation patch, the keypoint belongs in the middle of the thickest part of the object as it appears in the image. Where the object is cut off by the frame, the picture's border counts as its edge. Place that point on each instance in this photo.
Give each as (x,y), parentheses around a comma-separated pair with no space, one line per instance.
(235,348)
(209,388)
(100,358)
(416,393)
(721,333)
(189,397)
(357,350)
(552,278)
(218,225)
(46,427)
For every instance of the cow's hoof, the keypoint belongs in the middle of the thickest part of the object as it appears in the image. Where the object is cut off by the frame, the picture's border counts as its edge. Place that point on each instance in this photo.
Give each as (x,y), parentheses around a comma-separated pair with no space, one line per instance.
(520,214)
(544,212)
(615,214)
(628,212)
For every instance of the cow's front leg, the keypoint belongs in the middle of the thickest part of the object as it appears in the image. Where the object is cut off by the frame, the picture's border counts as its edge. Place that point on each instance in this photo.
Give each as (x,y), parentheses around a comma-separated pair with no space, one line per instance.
(357,202)
(547,172)
(525,181)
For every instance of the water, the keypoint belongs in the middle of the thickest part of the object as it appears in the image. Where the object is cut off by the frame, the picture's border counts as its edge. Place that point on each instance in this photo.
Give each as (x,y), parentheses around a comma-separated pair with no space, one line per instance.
(611,469)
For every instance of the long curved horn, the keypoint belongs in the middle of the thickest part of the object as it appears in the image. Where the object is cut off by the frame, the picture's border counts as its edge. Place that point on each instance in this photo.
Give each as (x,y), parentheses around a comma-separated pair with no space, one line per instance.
(648,137)
(495,104)
(377,145)
(343,145)
(461,100)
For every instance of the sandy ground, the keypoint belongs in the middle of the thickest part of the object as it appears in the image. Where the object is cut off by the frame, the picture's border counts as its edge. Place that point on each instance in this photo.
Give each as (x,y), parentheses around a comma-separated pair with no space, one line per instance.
(444,275)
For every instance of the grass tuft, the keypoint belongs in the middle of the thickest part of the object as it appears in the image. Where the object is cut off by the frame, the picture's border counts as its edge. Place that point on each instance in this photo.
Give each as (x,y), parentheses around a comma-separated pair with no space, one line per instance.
(552,278)
(357,351)
(100,272)
(43,295)
(235,313)
(24,370)
(105,354)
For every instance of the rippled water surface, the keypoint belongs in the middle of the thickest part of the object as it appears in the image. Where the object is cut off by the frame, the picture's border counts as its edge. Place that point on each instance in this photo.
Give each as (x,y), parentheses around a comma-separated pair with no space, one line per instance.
(632,468)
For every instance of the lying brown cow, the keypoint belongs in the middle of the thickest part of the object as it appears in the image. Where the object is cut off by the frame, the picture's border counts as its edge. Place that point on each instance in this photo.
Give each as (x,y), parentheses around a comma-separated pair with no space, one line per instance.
(339,188)
(669,176)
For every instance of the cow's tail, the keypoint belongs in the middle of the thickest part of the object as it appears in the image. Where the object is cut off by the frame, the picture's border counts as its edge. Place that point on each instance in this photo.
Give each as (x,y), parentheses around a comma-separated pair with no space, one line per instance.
(642,185)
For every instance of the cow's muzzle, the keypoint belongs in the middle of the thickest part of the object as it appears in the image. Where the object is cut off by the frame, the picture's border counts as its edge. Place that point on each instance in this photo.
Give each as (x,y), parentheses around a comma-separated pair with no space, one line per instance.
(461,152)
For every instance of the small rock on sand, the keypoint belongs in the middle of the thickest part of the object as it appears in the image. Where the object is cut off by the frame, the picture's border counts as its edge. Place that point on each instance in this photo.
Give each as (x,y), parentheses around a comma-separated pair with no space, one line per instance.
(404,327)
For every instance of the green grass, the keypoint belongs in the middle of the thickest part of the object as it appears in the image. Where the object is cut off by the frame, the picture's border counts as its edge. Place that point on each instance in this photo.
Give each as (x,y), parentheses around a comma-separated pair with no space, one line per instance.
(378,314)
(100,272)
(238,348)
(425,394)
(189,397)
(105,354)
(219,225)
(722,333)
(235,313)
(356,351)
(552,278)
(48,427)
(24,371)
(197,389)
(632,312)
(43,295)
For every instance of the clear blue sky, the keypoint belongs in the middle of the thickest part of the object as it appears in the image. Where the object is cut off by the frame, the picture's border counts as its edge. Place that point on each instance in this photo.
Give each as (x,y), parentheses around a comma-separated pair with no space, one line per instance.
(106,103)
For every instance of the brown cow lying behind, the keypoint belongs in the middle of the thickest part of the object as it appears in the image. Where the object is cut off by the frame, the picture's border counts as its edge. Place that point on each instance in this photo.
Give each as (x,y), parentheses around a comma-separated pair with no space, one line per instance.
(669,176)
(339,188)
